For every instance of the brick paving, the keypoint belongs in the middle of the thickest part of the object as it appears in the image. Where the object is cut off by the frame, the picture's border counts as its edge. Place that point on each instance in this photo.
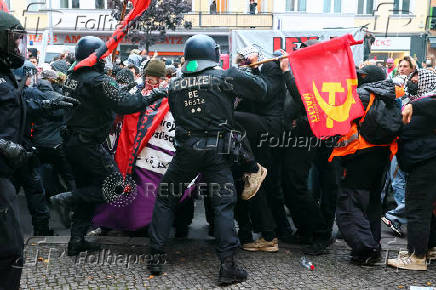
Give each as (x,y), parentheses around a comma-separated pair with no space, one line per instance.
(192,264)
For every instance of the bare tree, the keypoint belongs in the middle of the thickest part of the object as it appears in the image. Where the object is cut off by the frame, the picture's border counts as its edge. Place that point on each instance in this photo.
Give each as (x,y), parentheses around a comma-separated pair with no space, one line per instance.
(156,20)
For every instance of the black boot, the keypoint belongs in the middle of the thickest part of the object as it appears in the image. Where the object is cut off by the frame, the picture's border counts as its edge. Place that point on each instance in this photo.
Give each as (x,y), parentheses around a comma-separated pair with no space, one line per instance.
(41,228)
(230,272)
(78,245)
(182,232)
(62,204)
(156,261)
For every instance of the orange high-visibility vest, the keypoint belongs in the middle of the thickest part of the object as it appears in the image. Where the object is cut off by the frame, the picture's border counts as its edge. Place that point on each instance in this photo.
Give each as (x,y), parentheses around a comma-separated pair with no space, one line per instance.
(399,92)
(353,141)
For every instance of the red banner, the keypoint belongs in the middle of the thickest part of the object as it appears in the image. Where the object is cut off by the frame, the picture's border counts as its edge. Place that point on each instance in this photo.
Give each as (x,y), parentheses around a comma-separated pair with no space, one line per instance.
(326,79)
(139,6)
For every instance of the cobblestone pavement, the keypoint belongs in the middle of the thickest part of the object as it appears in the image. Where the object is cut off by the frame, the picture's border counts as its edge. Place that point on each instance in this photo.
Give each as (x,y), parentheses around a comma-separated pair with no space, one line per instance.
(192,264)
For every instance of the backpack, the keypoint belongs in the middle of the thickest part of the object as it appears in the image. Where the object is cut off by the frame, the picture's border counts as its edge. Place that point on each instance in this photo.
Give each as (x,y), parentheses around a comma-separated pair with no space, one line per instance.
(382,121)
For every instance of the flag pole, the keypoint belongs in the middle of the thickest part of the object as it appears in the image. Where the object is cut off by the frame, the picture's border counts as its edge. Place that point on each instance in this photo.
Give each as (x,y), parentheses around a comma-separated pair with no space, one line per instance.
(266,61)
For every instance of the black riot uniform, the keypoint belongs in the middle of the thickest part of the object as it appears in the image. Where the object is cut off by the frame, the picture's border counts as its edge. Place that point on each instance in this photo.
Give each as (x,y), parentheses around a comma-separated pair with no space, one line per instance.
(87,128)
(202,102)
(13,112)
(28,175)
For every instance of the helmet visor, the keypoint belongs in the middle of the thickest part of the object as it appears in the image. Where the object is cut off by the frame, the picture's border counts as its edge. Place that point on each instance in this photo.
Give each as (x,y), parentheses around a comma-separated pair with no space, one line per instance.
(17,43)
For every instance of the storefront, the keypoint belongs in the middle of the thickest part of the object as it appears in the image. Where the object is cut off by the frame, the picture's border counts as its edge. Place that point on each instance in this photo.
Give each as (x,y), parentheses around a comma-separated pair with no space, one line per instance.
(171,47)
(390,47)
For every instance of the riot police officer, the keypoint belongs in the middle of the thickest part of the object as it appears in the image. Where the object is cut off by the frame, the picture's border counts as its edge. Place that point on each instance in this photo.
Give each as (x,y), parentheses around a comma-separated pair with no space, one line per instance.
(202,102)
(28,175)
(87,129)
(13,110)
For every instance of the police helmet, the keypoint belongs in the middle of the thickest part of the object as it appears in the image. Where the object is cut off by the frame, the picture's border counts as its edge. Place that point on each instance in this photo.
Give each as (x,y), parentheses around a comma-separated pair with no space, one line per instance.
(86,46)
(27,70)
(13,41)
(201,52)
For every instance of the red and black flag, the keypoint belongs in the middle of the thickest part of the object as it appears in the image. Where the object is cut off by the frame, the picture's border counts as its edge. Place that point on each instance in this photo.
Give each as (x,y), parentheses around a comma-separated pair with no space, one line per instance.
(139,6)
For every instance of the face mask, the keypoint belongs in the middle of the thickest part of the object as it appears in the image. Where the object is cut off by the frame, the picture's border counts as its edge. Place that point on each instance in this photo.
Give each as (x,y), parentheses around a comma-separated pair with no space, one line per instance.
(15,61)
(412,88)
(428,62)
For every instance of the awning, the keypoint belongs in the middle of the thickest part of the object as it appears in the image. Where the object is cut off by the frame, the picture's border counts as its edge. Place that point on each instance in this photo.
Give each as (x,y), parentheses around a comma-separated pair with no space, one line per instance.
(432,41)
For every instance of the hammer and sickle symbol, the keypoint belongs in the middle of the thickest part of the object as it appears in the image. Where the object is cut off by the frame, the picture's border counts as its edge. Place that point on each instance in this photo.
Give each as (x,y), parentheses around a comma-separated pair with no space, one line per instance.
(338,113)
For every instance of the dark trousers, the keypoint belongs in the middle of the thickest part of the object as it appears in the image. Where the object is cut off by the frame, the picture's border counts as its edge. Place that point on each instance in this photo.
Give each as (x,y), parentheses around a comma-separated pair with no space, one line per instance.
(256,213)
(305,211)
(29,177)
(325,182)
(358,208)
(91,165)
(217,177)
(11,238)
(420,199)
(61,167)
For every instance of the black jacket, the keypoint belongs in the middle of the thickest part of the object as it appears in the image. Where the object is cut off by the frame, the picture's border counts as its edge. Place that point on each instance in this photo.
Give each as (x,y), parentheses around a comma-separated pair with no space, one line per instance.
(101,99)
(272,109)
(294,110)
(383,89)
(204,101)
(46,130)
(417,141)
(16,112)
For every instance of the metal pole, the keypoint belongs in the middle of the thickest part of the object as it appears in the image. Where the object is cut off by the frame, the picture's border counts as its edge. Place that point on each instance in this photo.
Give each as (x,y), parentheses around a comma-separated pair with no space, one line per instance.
(50,22)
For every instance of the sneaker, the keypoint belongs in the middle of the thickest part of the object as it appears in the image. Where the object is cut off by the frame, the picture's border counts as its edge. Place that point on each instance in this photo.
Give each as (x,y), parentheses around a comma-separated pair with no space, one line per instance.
(156,263)
(253,181)
(231,273)
(394,225)
(262,245)
(431,254)
(94,233)
(410,262)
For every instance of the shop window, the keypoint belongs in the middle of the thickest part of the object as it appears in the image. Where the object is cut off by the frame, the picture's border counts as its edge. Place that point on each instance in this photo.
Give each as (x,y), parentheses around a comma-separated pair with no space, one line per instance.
(365,6)
(402,7)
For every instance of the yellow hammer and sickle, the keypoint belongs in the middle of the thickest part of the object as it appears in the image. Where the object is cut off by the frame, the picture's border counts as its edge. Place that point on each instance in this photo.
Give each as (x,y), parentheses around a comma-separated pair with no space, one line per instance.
(337,113)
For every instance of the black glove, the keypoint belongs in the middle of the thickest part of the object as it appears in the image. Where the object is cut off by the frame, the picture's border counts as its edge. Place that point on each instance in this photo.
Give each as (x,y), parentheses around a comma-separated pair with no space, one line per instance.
(15,154)
(155,95)
(60,102)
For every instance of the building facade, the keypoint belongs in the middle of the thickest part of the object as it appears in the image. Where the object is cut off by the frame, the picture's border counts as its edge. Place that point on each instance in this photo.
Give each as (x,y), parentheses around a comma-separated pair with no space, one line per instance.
(400,26)
(72,19)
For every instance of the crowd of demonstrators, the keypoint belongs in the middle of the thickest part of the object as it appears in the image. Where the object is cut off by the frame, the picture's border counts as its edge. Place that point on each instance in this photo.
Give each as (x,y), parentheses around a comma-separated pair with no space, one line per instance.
(165,133)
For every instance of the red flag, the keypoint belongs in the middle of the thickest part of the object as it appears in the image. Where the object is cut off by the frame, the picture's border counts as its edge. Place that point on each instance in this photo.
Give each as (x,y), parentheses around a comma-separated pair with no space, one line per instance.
(326,79)
(3,6)
(139,6)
